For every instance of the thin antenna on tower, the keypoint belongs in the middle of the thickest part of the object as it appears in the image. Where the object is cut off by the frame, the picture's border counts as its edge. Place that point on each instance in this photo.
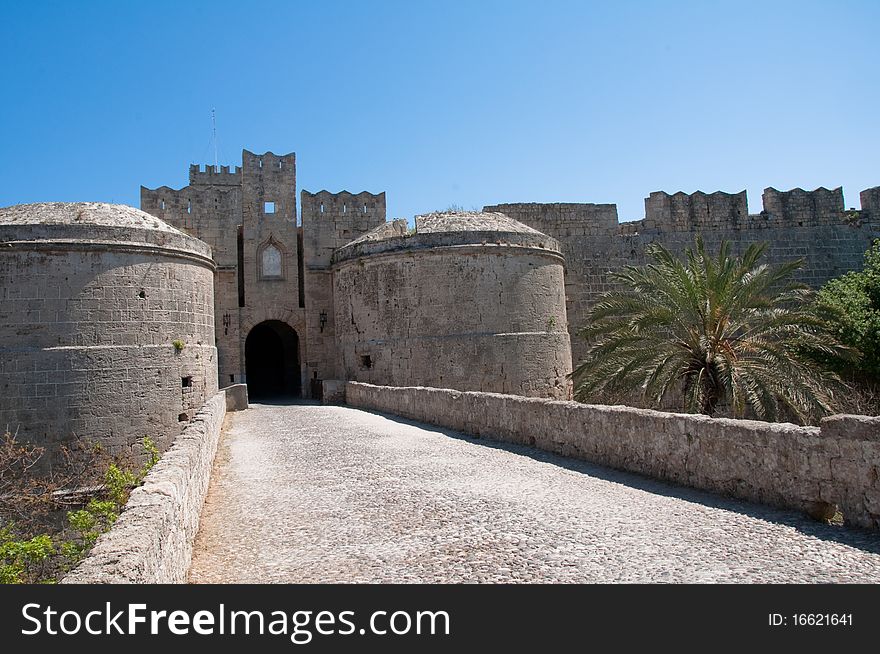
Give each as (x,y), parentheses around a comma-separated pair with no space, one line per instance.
(214,138)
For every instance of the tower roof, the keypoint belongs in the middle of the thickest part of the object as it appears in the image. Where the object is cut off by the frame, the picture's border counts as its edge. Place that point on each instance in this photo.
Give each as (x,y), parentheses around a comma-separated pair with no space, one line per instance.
(448,229)
(99,214)
(441,222)
(94,224)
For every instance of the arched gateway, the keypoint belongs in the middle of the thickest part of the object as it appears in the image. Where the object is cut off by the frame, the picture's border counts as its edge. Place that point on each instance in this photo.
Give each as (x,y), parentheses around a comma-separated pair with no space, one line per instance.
(272,361)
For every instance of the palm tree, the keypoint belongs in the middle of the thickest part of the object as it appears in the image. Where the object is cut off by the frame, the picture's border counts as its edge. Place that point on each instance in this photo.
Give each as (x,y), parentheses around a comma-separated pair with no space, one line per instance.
(719,331)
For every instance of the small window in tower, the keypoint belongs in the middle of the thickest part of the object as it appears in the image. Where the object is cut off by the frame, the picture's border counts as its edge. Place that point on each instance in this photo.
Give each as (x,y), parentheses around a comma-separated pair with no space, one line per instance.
(268,207)
(261,163)
(279,165)
(163,205)
(189,206)
(365,208)
(186,382)
(322,207)
(366,361)
(343,207)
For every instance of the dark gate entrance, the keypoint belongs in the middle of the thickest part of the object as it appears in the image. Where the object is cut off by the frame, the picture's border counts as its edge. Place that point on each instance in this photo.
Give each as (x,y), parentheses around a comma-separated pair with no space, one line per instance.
(272,361)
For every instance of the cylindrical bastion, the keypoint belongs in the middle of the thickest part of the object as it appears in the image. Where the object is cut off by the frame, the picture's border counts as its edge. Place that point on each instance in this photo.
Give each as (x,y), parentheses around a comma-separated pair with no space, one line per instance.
(468,300)
(106,326)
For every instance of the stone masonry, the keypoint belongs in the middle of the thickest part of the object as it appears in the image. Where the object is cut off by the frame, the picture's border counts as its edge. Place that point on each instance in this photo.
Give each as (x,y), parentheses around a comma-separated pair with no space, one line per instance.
(812,225)
(270,269)
(93,298)
(473,301)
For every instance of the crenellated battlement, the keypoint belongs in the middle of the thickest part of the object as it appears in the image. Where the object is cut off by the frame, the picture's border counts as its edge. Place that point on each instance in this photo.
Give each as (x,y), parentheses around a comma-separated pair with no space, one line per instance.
(683,211)
(327,204)
(330,220)
(698,211)
(870,201)
(268,163)
(208,175)
(800,207)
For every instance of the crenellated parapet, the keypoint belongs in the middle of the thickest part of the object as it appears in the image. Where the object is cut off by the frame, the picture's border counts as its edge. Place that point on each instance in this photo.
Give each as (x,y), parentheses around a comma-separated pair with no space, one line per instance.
(684,212)
(330,220)
(324,204)
(207,175)
(870,200)
(798,207)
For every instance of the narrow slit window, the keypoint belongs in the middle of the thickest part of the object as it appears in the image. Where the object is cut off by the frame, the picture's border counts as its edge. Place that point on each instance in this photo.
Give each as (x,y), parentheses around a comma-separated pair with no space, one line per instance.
(186,382)
(189,206)
(268,207)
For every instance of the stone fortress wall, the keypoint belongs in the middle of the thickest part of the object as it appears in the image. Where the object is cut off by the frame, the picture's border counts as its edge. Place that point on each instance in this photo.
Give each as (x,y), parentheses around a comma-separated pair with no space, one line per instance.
(244,214)
(330,220)
(269,268)
(468,301)
(298,298)
(796,223)
(92,299)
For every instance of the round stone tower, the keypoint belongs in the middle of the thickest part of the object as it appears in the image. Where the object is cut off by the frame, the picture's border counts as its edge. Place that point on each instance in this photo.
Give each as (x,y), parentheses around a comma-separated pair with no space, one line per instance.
(470,301)
(106,326)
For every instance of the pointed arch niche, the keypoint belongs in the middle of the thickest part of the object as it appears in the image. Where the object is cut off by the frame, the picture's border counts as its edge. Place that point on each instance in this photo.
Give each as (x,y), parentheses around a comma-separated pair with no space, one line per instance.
(271,259)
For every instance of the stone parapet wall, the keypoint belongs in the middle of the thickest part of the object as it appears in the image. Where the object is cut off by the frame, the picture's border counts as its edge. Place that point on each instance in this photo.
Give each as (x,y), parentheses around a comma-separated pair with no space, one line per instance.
(152,540)
(804,468)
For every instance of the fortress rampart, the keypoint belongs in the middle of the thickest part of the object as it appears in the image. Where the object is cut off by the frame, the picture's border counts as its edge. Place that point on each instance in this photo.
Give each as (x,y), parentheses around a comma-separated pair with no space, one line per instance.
(812,225)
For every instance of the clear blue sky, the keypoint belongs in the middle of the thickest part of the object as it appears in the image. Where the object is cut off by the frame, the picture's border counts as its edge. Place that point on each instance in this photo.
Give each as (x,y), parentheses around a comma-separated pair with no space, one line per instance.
(441,103)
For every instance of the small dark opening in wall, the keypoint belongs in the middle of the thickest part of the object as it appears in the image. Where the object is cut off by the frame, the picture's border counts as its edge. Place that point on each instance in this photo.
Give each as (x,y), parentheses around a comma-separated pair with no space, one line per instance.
(142,294)
(182,417)
(232,378)
(240,265)
(366,361)
(300,267)
(314,375)
(186,382)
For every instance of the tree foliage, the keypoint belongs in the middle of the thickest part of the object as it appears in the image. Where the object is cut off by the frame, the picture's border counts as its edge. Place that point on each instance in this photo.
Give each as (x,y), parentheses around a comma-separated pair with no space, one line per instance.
(716,330)
(855,300)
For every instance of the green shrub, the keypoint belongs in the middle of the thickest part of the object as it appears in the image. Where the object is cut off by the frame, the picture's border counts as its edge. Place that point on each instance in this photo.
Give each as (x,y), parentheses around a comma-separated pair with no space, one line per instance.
(853,302)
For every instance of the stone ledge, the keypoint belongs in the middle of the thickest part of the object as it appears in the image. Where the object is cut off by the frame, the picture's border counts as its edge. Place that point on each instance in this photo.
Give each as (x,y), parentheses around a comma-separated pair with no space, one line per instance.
(236,397)
(152,540)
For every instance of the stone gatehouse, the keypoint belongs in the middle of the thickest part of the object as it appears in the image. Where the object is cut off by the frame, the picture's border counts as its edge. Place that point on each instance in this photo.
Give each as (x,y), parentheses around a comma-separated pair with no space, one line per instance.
(337,293)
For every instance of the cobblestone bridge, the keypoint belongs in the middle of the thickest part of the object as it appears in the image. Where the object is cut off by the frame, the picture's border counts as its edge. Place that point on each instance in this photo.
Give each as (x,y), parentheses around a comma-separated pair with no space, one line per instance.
(307,493)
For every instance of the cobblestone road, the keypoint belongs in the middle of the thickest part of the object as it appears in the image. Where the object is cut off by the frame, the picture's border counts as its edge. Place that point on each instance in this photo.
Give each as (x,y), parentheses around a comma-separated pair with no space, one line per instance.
(332,494)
